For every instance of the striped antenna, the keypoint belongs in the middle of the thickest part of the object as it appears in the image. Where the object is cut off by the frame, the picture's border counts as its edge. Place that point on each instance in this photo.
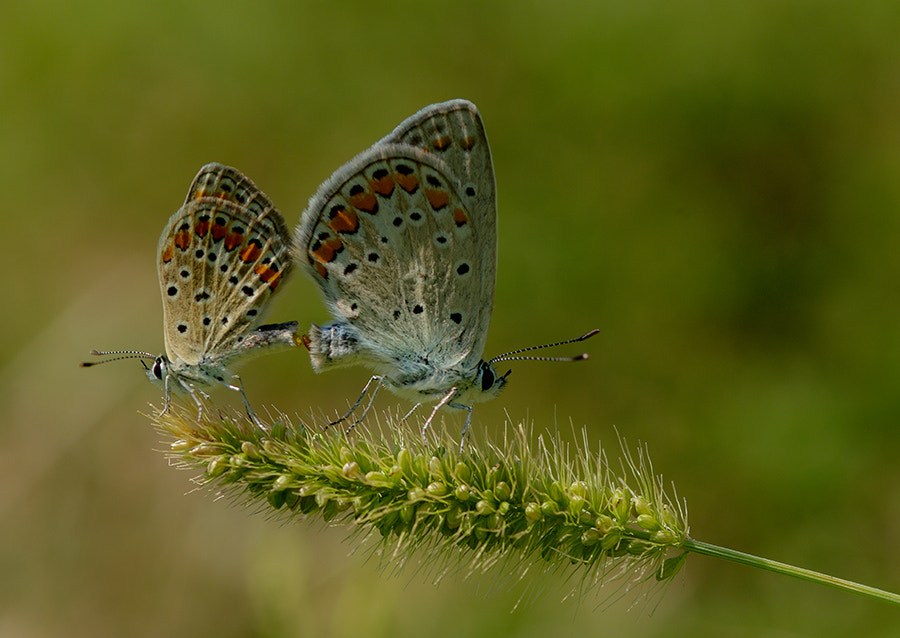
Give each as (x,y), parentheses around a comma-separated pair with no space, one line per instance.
(508,356)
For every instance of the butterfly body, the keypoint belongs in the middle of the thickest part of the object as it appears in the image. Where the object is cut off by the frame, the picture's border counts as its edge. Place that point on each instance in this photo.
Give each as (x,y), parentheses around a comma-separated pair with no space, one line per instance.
(419,378)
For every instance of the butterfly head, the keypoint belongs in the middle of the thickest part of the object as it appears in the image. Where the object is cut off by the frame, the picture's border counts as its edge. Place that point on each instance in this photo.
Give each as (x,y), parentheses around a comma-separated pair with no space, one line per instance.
(158,371)
(488,381)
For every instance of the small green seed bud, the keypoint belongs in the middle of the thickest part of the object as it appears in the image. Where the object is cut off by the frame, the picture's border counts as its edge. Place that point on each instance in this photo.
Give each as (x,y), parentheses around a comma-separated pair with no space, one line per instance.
(590,537)
(663,537)
(641,506)
(578,488)
(376,478)
(205,449)
(181,445)
(549,508)
(621,505)
(437,489)
(453,518)
(404,460)
(351,470)
(484,507)
(576,503)
(250,450)
(610,540)
(283,482)
(216,467)
(604,523)
(648,522)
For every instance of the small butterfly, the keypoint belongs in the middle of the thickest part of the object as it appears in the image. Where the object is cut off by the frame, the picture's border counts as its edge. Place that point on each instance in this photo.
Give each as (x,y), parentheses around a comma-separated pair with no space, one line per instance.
(220,259)
(402,243)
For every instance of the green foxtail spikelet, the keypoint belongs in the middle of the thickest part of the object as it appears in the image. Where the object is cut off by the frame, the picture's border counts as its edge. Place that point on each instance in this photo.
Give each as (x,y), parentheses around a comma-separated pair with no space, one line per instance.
(517,502)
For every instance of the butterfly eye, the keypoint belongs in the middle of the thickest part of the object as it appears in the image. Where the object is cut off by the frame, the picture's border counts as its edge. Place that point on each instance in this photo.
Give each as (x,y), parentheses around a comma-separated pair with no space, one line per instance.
(487,378)
(157,368)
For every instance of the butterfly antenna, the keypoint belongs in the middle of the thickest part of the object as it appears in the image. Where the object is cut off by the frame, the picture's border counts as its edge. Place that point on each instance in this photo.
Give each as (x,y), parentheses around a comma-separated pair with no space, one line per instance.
(509,356)
(117,355)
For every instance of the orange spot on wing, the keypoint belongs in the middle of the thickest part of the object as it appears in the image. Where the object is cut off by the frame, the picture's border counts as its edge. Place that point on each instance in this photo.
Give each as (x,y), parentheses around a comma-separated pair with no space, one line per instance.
(409,183)
(320,268)
(441,143)
(437,198)
(202,228)
(218,232)
(343,220)
(364,201)
(251,252)
(269,275)
(183,239)
(168,253)
(305,340)
(233,240)
(384,186)
(468,143)
(327,250)
(460,217)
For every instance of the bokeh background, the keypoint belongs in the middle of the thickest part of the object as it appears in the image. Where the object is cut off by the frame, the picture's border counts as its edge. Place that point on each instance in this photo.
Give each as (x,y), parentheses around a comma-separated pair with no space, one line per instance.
(716,186)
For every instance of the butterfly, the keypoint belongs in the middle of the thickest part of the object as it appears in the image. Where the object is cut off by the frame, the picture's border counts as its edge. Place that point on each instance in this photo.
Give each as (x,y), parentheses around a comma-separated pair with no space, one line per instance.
(220,259)
(402,244)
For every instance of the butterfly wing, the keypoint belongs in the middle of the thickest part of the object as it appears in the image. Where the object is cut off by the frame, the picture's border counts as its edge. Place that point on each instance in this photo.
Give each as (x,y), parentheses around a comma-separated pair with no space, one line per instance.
(220,259)
(453,131)
(394,249)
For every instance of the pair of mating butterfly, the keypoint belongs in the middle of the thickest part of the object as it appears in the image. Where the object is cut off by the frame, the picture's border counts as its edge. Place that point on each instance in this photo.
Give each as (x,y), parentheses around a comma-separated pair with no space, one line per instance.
(402,242)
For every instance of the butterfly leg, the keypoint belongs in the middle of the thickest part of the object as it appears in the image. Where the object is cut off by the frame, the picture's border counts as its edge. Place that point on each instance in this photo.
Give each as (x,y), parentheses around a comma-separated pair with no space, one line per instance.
(464,435)
(196,399)
(408,414)
(365,389)
(166,395)
(240,388)
(250,411)
(444,401)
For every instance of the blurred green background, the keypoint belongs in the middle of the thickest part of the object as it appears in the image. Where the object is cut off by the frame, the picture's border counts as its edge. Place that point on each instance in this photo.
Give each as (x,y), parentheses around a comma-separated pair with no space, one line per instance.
(714,185)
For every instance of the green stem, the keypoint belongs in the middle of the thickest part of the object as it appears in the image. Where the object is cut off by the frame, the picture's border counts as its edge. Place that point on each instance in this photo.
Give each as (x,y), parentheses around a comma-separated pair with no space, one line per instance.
(699,547)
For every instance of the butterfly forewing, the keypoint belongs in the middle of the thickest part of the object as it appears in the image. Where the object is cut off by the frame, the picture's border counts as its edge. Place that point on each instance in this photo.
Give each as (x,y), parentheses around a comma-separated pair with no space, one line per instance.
(454,132)
(391,244)
(220,258)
